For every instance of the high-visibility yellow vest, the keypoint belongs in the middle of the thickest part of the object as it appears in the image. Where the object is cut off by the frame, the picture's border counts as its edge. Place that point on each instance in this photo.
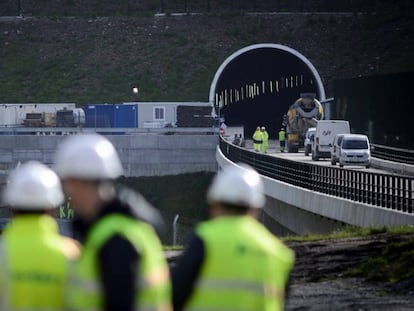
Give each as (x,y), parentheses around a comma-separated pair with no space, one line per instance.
(245,267)
(154,288)
(34,261)
(258,137)
(265,137)
(282,135)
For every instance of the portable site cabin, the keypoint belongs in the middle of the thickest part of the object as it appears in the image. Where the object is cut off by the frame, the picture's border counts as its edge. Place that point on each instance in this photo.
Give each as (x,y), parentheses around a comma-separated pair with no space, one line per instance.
(180,114)
(111,116)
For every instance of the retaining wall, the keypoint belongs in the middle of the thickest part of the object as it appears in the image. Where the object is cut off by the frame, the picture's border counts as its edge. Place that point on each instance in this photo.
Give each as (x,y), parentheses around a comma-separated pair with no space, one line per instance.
(141,154)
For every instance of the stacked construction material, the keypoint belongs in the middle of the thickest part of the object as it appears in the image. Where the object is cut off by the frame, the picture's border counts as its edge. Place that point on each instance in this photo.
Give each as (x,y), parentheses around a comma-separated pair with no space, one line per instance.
(194,116)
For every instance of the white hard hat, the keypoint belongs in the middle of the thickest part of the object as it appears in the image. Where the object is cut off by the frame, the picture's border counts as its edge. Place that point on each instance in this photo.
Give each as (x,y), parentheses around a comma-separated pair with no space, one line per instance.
(33,186)
(90,156)
(238,185)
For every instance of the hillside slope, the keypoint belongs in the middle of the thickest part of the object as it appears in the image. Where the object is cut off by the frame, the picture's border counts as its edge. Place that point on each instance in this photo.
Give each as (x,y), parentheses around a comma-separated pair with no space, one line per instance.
(76,59)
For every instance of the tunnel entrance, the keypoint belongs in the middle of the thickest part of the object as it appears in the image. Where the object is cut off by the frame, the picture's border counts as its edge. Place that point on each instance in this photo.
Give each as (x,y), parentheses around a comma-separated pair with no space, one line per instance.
(256,85)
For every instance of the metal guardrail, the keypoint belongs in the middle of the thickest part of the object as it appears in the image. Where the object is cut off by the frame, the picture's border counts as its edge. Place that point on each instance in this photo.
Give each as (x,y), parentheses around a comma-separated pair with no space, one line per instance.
(382,190)
(105,130)
(393,154)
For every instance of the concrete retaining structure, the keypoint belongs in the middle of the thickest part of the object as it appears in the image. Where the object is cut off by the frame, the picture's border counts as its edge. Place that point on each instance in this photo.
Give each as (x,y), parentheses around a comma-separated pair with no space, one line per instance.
(303,211)
(141,154)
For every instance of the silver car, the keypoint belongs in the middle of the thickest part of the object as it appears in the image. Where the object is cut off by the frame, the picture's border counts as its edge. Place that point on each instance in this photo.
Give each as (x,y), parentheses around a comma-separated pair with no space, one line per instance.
(355,150)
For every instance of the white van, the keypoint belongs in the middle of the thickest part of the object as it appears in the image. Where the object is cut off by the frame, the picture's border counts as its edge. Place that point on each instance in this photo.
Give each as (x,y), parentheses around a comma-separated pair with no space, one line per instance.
(324,136)
(355,150)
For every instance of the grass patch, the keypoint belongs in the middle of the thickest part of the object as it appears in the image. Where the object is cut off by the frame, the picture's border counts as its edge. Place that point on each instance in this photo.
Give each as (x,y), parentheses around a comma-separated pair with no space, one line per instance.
(98,59)
(393,265)
(351,232)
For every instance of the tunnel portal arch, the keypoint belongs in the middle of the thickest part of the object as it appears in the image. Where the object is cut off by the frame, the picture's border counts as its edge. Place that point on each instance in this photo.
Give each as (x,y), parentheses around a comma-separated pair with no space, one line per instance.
(256,85)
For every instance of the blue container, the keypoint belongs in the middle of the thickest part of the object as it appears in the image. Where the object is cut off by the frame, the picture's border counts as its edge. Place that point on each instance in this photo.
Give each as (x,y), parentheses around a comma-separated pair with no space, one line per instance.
(111,115)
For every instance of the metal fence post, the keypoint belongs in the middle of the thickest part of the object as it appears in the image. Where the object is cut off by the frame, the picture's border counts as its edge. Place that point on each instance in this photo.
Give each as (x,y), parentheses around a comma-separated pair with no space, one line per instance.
(175,229)
(161,6)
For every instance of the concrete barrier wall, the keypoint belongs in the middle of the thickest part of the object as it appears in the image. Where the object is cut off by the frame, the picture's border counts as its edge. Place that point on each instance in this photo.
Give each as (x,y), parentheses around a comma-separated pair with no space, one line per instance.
(141,154)
(304,211)
(395,167)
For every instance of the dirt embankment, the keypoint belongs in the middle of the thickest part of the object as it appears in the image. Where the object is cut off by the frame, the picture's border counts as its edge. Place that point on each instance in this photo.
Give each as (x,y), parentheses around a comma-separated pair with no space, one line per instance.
(321,279)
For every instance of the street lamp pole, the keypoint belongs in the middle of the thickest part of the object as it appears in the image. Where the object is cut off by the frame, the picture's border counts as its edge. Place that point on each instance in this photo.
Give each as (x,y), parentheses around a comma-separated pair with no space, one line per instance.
(135,91)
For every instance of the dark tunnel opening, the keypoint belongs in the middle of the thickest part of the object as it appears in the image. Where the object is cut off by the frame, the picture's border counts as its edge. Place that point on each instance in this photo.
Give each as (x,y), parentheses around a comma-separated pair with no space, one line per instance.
(257,87)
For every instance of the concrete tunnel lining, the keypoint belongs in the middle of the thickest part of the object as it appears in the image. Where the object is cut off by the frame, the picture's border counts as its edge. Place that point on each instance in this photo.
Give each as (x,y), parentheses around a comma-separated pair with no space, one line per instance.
(281,52)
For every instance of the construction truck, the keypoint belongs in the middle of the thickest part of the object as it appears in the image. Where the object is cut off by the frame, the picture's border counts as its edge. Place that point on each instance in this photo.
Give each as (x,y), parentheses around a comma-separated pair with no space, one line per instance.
(304,113)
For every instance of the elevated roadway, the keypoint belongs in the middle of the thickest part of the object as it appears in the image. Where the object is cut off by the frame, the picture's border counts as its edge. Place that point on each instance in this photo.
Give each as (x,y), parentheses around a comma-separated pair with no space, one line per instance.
(306,197)
(379,166)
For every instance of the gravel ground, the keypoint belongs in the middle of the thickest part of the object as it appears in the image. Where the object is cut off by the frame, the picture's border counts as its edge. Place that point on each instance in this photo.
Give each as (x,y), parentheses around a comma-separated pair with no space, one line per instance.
(346,294)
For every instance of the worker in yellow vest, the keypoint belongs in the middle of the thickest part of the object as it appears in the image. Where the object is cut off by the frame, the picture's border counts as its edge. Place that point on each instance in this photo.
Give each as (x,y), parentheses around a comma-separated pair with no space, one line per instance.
(282,139)
(122,265)
(34,258)
(265,141)
(233,262)
(257,139)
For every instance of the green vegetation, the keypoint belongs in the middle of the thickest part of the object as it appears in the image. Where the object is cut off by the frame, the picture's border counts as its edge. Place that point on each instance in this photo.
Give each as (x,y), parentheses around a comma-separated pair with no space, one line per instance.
(95,59)
(394,264)
(352,232)
(91,61)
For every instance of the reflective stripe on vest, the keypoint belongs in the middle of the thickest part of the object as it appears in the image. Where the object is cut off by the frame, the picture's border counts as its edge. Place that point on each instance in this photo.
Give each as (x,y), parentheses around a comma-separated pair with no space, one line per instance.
(153,283)
(245,267)
(282,136)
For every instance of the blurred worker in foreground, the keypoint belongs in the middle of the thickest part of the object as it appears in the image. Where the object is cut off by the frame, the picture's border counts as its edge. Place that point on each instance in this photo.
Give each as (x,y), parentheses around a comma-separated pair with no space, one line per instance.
(34,258)
(122,265)
(282,139)
(257,139)
(233,262)
(265,141)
